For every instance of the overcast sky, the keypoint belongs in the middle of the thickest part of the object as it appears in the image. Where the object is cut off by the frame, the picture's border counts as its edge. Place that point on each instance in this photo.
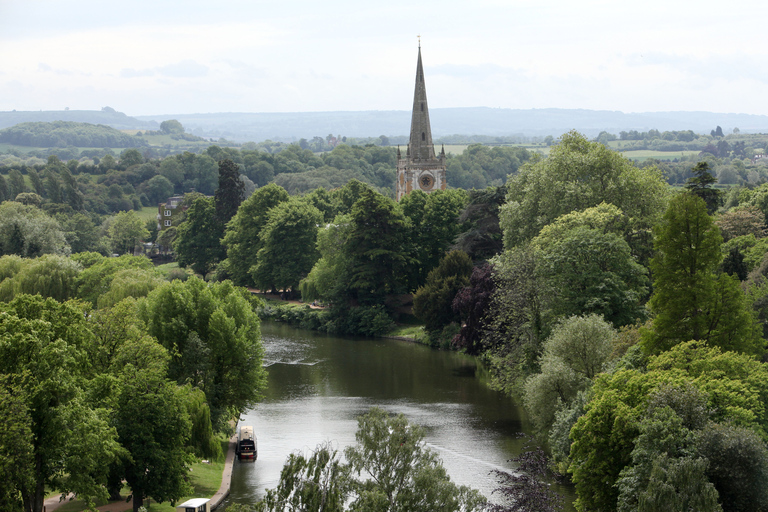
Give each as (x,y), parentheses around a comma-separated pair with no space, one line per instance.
(180,57)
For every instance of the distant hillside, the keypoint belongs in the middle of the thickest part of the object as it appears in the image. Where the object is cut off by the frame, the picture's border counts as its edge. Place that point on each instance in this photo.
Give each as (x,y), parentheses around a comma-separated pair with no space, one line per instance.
(62,134)
(449,121)
(106,116)
(292,126)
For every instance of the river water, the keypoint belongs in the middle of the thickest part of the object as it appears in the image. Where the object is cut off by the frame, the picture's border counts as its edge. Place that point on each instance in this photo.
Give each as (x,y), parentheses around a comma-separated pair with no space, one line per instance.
(319,384)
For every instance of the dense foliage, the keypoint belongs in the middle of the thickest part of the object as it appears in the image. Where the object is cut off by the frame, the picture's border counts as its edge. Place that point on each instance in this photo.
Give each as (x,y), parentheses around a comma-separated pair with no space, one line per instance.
(59,134)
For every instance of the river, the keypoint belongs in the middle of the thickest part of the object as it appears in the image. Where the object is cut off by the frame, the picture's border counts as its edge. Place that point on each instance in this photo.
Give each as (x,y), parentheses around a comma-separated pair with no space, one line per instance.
(319,384)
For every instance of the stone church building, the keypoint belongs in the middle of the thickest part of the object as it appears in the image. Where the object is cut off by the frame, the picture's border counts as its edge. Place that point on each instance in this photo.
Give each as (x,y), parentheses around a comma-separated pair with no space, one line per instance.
(421,169)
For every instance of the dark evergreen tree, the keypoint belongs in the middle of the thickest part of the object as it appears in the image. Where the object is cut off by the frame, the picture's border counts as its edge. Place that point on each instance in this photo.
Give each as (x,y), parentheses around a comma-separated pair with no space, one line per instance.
(701,185)
(734,265)
(229,195)
(197,243)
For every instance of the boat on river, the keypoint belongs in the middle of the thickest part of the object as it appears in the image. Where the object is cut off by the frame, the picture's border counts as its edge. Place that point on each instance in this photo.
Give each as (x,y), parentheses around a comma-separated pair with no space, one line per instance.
(247,448)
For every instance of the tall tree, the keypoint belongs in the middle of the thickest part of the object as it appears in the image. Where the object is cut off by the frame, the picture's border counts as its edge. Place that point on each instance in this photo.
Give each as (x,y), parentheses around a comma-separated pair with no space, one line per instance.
(198,238)
(288,246)
(691,299)
(471,305)
(229,195)
(434,221)
(701,185)
(158,462)
(378,248)
(594,272)
(242,235)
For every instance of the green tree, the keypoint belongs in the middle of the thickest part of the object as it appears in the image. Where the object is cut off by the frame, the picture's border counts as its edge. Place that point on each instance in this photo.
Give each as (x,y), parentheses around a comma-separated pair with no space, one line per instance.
(16,184)
(403,474)
(131,157)
(27,231)
(229,195)
(130,282)
(288,246)
(197,243)
(16,450)
(604,437)
(666,470)
(158,189)
(242,235)
(691,301)
(433,302)
(434,221)
(153,425)
(171,126)
(317,482)
(72,443)
(573,355)
(738,465)
(594,272)
(126,231)
(329,276)
(228,357)
(518,319)
(378,248)
(49,276)
(701,185)
(577,175)
(96,278)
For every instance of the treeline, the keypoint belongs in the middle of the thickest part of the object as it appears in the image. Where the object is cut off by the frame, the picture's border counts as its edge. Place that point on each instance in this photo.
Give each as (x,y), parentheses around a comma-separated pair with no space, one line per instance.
(105,185)
(61,134)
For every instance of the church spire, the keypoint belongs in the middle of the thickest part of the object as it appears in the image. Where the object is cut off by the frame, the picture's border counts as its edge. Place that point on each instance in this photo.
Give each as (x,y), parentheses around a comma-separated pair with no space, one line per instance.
(421,132)
(420,169)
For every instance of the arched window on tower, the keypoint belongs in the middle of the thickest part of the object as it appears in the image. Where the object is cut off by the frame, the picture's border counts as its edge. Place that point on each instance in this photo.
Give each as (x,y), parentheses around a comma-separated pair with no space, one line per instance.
(423,136)
(422,107)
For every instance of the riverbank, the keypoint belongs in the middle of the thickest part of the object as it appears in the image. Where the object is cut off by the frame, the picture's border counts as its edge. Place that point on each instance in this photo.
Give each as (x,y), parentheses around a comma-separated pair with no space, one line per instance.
(69,504)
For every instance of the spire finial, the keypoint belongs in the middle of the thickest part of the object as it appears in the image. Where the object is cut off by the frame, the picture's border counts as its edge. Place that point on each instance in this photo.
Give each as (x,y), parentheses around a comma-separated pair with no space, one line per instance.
(419,38)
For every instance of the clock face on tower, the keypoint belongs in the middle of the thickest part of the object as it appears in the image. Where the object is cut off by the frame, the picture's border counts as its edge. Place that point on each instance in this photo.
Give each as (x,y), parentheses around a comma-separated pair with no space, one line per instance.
(426,181)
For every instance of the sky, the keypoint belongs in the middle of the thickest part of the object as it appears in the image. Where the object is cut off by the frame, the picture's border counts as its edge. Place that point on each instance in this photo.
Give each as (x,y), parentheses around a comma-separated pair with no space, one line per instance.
(184,57)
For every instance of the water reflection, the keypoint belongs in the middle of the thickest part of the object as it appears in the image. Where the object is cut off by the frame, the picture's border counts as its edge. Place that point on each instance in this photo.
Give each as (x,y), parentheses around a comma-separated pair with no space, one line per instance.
(318,385)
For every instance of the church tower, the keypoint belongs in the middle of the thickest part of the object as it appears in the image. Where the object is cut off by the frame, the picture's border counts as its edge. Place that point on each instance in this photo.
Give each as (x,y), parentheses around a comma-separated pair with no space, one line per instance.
(420,169)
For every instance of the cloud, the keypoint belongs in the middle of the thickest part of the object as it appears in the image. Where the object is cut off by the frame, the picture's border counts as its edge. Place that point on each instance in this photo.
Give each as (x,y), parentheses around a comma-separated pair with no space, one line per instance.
(729,67)
(48,69)
(183,69)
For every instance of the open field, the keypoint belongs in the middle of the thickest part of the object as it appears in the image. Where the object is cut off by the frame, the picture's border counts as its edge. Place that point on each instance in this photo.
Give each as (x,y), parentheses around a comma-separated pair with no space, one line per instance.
(645,154)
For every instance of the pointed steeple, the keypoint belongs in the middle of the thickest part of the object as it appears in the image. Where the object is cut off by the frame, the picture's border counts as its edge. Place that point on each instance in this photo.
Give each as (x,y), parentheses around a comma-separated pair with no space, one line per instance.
(420,169)
(421,147)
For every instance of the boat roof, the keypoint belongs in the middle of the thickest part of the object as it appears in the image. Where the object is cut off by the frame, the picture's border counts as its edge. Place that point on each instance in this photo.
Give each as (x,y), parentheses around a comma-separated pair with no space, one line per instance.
(194,502)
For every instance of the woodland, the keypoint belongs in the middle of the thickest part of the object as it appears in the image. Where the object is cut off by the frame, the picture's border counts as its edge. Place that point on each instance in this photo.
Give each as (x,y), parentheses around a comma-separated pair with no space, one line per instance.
(622,303)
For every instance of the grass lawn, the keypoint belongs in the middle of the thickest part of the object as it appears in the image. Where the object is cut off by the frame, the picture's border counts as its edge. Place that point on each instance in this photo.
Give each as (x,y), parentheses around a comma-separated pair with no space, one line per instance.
(205,480)
(147,213)
(407,331)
